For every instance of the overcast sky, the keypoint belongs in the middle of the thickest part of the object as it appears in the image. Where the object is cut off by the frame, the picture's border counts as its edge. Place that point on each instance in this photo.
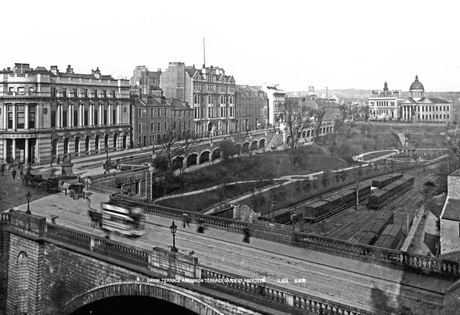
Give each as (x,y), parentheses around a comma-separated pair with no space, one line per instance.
(336,44)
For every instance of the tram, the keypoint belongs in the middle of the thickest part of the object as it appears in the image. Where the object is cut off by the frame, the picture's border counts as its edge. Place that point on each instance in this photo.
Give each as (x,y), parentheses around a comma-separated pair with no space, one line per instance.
(123,217)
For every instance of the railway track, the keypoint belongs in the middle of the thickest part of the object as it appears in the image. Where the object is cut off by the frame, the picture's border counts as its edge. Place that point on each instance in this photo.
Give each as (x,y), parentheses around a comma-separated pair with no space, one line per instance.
(348,223)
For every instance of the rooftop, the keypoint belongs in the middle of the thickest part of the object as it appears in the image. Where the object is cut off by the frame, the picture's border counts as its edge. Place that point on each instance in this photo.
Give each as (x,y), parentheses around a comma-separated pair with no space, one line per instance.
(452,210)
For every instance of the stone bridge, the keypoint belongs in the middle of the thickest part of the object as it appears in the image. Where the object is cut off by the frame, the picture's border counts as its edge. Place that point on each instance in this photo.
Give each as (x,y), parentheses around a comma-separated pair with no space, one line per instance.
(52,269)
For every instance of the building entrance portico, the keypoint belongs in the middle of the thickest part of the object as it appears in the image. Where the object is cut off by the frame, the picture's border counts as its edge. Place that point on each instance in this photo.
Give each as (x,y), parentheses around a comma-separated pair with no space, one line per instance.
(21,150)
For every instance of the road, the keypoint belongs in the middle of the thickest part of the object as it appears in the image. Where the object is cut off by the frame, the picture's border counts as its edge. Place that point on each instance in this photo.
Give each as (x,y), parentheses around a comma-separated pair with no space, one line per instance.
(331,277)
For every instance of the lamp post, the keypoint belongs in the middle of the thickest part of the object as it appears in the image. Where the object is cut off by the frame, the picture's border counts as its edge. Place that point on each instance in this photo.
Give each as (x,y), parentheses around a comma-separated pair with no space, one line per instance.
(173,229)
(273,206)
(28,196)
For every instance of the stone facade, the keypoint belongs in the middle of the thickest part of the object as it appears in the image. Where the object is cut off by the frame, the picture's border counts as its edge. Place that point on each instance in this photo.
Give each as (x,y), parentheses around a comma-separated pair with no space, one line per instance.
(46,114)
(383,105)
(251,104)
(275,98)
(209,91)
(450,217)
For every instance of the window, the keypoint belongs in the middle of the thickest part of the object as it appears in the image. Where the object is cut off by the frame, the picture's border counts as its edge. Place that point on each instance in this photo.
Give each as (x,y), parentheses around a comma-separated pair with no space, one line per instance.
(159,127)
(64,93)
(105,117)
(165,114)
(75,118)
(139,112)
(85,93)
(53,119)
(75,92)
(166,126)
(21,90)
(32,109)
(96,117)
(85,120)
(10,116)
(139,130)
(64,118)
(152,112)
(151,128)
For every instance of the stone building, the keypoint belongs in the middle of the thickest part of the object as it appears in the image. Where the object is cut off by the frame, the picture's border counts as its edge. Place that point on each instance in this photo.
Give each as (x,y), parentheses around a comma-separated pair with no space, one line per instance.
(251,103)
(450,218)
(209,91)
(153,118)
(383,105)
(275,98)
(46,114)
(418,108)
(145,82)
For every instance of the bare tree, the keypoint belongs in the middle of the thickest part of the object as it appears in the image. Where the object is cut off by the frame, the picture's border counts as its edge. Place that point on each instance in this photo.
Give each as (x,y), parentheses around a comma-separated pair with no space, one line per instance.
(176,145)
(296,115)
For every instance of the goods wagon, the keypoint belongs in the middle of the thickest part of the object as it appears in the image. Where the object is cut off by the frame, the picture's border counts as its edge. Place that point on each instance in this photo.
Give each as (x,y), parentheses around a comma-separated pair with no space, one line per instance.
(316,210)
(376,227)
(390,192)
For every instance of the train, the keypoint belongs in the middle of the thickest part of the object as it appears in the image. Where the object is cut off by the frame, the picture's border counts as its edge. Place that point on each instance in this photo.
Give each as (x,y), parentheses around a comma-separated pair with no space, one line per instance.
(386,180)
(391,237)
(119,217)
(372,232)
(386,194)
(332,204)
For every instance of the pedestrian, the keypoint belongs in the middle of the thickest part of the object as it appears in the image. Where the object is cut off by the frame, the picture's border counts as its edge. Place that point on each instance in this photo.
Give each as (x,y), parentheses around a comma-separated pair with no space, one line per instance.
(3,169)
(21,174)
(186,220)
(247,235)
(14,173)
(200,228)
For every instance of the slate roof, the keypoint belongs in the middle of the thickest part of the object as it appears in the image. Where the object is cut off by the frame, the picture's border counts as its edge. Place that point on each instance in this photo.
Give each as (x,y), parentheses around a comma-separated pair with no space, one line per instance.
(452,211)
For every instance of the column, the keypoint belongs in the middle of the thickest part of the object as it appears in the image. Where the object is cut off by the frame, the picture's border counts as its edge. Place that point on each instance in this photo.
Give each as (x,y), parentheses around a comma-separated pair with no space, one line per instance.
(5,143)
(26,116)
(26,155)
(5,116)
(101,115)
(58,118)
(70,115)
(109,114)
(81,109)
(13,153)
(14,116)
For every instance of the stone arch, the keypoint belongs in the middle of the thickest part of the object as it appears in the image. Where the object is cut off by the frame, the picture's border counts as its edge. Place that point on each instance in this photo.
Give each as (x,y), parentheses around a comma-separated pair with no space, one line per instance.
(178,162)
(192,159)
(216,153)
(204,156)
(262,143)
(245,147)
(159,290)
(304,133)
(254,145)
(308,133)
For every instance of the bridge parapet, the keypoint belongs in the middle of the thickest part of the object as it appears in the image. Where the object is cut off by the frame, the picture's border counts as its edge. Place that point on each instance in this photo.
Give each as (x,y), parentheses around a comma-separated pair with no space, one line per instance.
(372,253)
(272,294)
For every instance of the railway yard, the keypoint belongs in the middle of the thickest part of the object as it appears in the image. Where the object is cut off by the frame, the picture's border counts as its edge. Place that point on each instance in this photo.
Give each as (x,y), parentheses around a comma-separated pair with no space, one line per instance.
(352,224)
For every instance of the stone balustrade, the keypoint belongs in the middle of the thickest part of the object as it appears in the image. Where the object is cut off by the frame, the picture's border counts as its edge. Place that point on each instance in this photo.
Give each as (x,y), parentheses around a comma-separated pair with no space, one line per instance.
(282,296)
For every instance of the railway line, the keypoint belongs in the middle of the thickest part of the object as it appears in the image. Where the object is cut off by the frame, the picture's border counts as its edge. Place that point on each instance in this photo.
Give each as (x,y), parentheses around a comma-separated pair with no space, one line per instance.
(347,224)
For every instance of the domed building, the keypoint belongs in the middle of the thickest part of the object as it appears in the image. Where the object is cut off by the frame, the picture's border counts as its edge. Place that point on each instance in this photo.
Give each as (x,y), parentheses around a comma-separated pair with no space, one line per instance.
(418,108)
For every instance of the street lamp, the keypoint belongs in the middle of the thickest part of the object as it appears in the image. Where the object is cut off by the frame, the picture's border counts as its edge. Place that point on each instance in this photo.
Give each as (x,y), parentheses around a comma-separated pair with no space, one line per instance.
(273,206)
(173,229)
(28,196)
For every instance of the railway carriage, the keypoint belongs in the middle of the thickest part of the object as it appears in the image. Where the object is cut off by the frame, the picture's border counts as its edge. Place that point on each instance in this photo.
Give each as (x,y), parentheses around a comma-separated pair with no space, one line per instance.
(367,238)
(390,192)
(391,237)
(386,180)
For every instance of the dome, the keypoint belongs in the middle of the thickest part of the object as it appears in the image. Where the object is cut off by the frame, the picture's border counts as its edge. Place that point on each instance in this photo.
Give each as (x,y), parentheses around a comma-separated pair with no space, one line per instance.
(416,85)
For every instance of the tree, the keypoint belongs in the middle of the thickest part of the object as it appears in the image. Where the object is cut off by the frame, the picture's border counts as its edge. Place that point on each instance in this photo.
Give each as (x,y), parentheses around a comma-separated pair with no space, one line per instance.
(296,116)
(175,145)
(325,179)
(365,112)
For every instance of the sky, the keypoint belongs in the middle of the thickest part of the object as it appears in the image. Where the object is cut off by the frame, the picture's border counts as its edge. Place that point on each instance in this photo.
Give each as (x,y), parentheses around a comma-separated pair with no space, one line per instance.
(338,44)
